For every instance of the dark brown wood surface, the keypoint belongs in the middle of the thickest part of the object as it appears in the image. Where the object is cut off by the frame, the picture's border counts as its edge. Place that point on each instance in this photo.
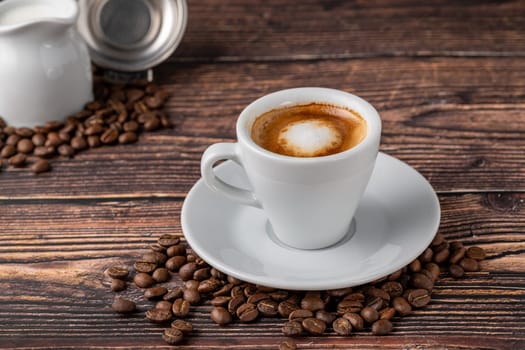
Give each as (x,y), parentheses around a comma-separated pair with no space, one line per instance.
(448,78)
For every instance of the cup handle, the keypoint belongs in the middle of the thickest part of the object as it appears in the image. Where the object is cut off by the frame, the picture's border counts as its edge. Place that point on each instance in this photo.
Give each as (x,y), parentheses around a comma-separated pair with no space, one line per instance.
(225,151)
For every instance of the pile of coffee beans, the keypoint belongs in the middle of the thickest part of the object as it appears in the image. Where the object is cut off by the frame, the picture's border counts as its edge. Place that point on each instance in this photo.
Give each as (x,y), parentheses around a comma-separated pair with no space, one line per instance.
(341,311)
(118,115)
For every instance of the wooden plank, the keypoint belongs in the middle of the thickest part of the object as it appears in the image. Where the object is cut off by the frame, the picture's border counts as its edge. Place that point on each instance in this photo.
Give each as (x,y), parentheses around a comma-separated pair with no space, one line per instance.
(463,130)
(312,29)
(53,292)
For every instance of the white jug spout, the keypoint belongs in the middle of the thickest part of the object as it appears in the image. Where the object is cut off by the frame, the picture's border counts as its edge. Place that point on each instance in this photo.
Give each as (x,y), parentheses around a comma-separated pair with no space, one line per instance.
(19,15)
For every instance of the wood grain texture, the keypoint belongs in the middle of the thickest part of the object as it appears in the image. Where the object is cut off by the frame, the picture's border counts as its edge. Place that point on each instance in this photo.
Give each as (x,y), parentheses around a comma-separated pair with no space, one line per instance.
(459,121)
(52,263)
(276,30)
(448,78)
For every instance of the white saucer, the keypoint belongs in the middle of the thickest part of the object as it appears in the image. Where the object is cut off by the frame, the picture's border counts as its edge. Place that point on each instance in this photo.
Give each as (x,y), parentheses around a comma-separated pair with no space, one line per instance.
(396,220)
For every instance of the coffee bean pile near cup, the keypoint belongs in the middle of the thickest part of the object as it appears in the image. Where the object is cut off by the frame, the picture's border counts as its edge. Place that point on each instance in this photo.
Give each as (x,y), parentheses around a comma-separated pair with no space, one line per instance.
(117,115)
(174,281)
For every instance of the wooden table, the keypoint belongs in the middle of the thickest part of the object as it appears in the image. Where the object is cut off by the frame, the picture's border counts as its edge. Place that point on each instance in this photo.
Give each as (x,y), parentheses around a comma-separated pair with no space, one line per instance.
(449,81)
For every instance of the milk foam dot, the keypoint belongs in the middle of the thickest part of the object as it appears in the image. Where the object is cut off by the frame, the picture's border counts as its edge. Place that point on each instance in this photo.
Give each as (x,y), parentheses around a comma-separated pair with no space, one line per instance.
(309,138)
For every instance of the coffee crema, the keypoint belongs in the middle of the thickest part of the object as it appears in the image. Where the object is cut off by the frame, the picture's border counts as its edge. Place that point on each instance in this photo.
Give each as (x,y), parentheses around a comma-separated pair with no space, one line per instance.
(309,130)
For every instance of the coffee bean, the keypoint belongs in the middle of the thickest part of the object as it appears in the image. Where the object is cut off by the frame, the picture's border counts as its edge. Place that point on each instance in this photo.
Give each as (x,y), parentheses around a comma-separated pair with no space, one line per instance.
(249,290)
(300,314)
(131,126)
(457,255)
(192,284)
(376,292)
(183,326)
(12,140)
(292,329)
(44,151)
(418,297)
(192,296)
(78,143)
(25,146)
(117,285)
(469,264)
(40,166)
(143,280)
(401,306)
(120,272)
(153,102)
(93,141)
(155,292)
(285,308)
(94,129)
(173,294)
(165,121)
(8,151)
(164,305)
(387,313)
(175,263)
(369,314)
(202,274)
(151,124)
(168,240)
(159,315)
(434,269)
(314,326)
(476,253)
(176,250)
(247,312)
(325,316)
(345,306)
(438,239)
(233,280)
(123,306)
(208,286)
(339,293)
(172,336)
(415,266)
(456,271)
(235,302)
(376,303)
(144,266)
(257,297)
(356,321)
(355,296)
(381,327)
(287,344)
(17,160)
(312,302)
(420,280)
(180,308)
(24,132)
(221,300)
(393,288)
(441,256)
(66,150)
(159,258)
(268,307)
(444,245)
(109,136)
(187,270)
(220,315)
(342,326)
(426,256)
(224,290)
(161,274)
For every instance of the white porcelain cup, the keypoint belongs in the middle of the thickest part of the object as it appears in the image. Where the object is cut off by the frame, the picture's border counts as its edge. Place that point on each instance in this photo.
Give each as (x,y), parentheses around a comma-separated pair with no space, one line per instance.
(309,202)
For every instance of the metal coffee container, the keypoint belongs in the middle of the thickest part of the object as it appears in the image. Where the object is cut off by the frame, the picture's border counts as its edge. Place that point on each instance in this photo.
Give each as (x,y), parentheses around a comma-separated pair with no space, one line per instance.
(132,35)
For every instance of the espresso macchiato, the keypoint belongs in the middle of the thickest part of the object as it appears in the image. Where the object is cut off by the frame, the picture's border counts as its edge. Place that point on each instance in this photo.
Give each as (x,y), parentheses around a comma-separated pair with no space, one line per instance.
(310,130)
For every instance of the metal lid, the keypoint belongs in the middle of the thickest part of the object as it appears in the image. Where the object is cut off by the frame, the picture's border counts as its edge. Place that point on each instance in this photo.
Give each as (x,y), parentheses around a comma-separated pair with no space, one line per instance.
(132,35)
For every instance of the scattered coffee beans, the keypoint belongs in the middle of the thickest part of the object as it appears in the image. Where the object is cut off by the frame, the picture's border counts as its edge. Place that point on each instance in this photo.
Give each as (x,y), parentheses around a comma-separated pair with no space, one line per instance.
(371,306)
(118,114)
(123,306)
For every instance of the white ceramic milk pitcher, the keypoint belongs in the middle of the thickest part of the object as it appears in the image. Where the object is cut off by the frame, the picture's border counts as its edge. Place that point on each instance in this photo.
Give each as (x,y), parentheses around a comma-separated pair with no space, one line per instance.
(45,70)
